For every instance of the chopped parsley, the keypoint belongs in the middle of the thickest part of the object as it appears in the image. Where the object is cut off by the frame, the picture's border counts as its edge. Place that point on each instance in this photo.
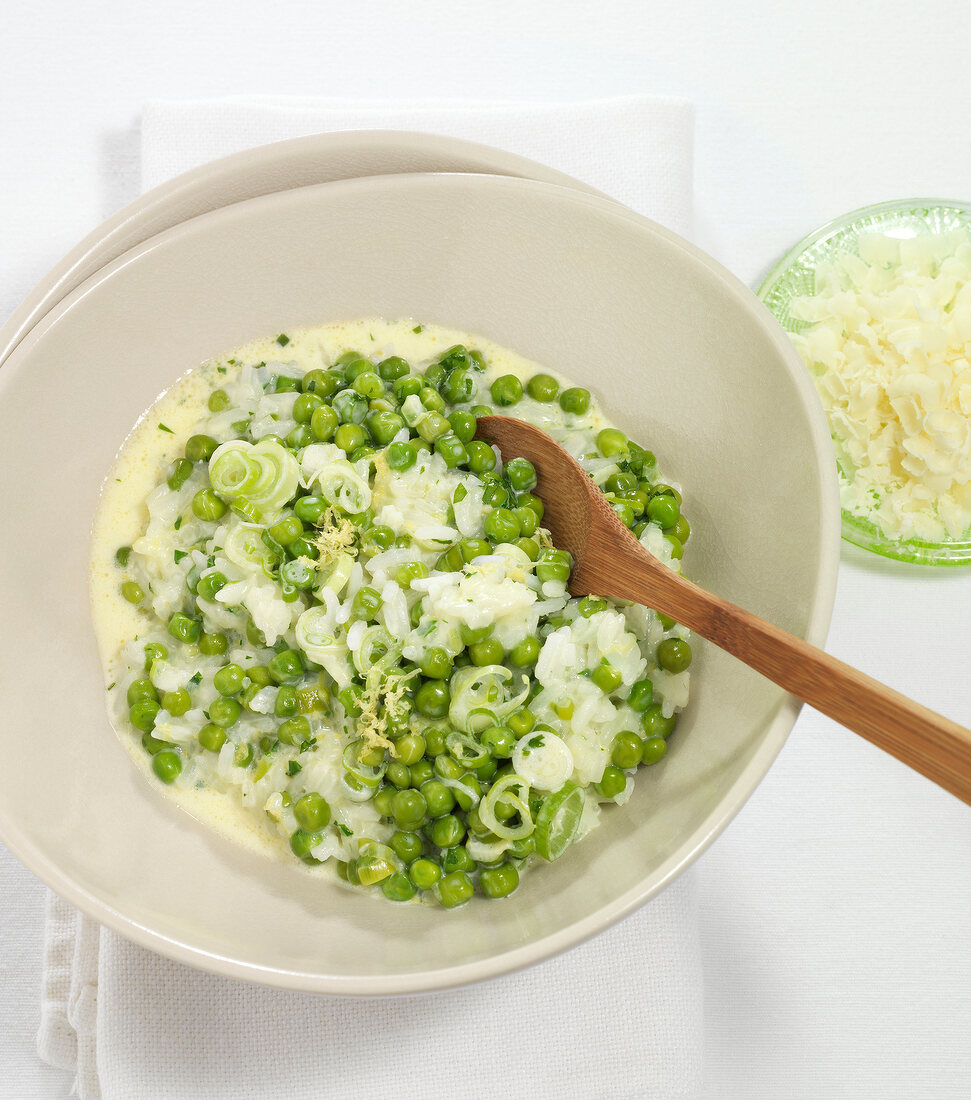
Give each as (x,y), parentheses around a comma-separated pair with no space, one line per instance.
(536,742)
(293,767)
(283,339)
(196,678)
(179,555)
(165,428)
(417,328)
(344,829)
(177,524)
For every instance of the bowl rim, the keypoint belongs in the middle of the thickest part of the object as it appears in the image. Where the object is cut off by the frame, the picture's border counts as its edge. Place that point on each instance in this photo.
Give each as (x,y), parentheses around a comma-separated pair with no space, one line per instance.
(264,169)
(778,728)
(856,529)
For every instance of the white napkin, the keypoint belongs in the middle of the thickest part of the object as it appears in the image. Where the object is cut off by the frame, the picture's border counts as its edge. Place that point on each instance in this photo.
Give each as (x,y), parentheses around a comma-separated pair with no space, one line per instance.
(620,1016)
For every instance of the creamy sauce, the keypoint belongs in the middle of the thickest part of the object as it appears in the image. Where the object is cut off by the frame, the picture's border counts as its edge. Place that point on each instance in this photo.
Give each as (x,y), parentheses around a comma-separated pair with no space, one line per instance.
(141,463)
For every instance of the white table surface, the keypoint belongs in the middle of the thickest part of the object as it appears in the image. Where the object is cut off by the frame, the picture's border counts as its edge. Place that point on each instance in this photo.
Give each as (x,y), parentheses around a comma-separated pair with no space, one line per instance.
(854,981)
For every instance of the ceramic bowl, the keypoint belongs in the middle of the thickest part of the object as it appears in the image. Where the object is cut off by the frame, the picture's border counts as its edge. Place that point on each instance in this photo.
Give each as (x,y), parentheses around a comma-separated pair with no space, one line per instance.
(681,355)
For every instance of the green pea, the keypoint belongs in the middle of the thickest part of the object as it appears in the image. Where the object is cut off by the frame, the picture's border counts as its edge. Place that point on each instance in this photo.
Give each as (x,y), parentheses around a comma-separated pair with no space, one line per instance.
(228,680)
(439,799)
(152,745)
(323,422)
(284,384)
(401,456)
(384,426)
(224,712)
(447,831)
(421,772)
(459,386)
(184,629)
(304,548)
(673,654)
(663,510)
(286,667)
(488,652)
(286,703)
(654,724)
(432,698)
(207,506)
(625,751)
(410,571)
(554,565)
(382,801)
(502,525)
(353,364)
(409,748)
(132,592)
(312,811)
(521,721)
(424,873)
(612,782)
(350,436)
(122,554)
(654,750)
(309,509)
(218,401)
(302,842)
(455,889)
(406,387)
(393,367)
(212,645)
(259,674)
(299,437)
(199,448)
(474,548)
(368,383)
(398,887)
(398,774)
(521,474)
(179,473)
(641,696)
(542,387)
(482,458)
(682,529)
(408,808)
(304,406)
(176,702)
(606,677)
(525,653)
(677,550)
(575,400)
(589,606)
(463,425)
(611,442)
(294,731)
(506,390)
(499,740)
(435,663)
(142,714)
(452,449)
(406,845)
(499,882)
(167,765)
(210,584)
(212,737)
(323,383)
(528,500)
(154,651)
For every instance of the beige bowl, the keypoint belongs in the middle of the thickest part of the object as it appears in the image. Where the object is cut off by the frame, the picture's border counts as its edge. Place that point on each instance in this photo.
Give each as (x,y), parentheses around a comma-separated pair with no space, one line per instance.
(681,355)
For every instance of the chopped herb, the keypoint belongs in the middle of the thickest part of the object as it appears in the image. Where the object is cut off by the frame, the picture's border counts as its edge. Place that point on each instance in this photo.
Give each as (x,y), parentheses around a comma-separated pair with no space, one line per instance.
(231,362)
(111,685)
(196,678)
(121,555)
(179,555)
(293,767)
(371,334)
(306,746)
(417,328)
(220,370)
(283,339)
(165,428)
(178,523)
(344,829)
(536,742)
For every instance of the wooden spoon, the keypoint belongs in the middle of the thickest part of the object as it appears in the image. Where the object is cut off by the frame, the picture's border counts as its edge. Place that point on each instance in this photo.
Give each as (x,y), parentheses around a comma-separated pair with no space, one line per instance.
(609,561)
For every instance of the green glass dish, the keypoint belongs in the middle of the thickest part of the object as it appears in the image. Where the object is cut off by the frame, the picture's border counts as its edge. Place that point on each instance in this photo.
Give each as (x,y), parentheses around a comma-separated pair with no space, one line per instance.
(794,277)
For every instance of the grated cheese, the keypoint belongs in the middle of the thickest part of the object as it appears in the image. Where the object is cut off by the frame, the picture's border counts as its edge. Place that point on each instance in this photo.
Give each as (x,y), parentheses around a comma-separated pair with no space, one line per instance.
(888,341)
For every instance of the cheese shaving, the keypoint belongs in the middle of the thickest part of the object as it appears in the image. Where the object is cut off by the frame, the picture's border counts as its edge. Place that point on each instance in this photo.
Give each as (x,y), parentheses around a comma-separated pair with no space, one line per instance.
(887,338)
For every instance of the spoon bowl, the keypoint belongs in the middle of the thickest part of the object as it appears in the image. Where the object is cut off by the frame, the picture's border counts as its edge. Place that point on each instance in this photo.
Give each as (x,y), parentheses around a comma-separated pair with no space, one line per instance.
(609,561)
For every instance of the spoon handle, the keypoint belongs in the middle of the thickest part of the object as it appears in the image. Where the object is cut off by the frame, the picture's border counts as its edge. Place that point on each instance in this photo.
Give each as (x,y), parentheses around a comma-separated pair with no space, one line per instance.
(927,742)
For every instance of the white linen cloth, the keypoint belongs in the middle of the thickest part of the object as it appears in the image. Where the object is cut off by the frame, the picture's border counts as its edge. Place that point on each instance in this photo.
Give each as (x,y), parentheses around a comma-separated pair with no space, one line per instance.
(620,1016)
